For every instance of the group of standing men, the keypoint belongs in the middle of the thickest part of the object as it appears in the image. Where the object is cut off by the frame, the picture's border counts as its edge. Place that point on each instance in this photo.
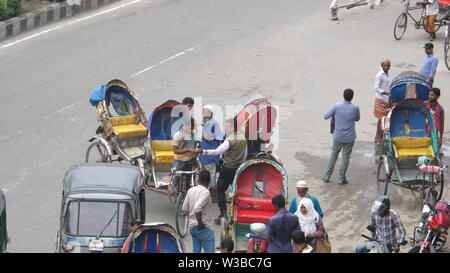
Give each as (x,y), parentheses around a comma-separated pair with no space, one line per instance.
(217,150)
(345,114)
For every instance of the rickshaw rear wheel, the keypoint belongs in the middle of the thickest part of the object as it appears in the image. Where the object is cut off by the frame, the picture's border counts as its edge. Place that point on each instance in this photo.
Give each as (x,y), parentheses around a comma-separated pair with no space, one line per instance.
(382,179)
(181,219)
(98,148)
(223,228)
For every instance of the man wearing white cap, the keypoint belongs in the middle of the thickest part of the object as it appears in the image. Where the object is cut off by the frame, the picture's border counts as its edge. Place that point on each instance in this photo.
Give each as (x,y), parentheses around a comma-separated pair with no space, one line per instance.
(302,191)
(212,136)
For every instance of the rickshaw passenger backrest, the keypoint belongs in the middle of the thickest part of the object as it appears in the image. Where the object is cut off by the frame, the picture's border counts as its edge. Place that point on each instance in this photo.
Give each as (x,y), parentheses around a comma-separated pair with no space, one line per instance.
(409,122)
(122,101)
(161,125)
(154,241)
(252,203)
(263,175)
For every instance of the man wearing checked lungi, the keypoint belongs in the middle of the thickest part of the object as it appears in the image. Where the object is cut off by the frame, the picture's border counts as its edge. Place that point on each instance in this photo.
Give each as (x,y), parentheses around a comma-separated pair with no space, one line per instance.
(382,93)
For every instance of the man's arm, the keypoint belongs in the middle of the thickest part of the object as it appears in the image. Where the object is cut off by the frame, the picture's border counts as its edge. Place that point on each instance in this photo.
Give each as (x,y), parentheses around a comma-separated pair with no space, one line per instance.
(317,207)
(293,206)
(330,112)
(434,64)
(400,230)
(357,114)
(219,150)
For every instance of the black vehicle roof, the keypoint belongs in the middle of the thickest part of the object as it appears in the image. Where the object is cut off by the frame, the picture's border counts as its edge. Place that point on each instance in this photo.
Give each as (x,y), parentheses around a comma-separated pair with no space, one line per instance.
(2,201)
(103,178)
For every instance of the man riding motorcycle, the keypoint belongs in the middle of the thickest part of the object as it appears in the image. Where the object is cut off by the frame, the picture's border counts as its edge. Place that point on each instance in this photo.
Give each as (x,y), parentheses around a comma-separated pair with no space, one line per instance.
(389,230)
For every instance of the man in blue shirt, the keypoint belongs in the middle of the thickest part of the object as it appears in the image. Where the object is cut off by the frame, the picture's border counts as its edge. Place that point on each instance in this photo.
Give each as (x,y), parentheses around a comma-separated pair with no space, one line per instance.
(280,227)
(429,64)
(345,115)
(302,190)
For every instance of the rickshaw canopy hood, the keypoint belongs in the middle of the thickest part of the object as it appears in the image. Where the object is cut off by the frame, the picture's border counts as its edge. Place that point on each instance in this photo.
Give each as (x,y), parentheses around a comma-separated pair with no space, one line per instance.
(103,178)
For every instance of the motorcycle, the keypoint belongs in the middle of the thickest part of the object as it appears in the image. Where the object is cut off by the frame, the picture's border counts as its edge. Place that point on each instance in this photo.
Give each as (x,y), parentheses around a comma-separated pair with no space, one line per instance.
(431,234)
(374,245)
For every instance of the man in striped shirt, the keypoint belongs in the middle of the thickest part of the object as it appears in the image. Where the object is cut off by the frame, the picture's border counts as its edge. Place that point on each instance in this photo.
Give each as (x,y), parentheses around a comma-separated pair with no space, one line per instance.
(389,229)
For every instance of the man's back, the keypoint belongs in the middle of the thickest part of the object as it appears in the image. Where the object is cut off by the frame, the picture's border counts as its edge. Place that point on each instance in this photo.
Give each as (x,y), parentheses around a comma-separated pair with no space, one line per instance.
(345,115)
(280,227)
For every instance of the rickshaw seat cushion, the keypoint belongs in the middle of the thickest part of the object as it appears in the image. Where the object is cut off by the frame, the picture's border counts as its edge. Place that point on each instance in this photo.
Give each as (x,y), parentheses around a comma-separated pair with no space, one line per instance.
(161,145)
(411,142)
(162,150)
(252,216)
(130,130)
(413,146)
(163,156)
(250,210)
(123,120)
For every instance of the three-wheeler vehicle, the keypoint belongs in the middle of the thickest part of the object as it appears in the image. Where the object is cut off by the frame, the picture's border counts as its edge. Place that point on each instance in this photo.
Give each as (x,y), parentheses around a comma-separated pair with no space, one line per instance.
(99,203)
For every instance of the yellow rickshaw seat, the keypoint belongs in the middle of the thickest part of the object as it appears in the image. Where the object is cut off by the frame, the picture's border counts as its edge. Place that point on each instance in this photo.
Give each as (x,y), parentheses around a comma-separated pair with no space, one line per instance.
(123,120)
(130,130)
(413,146)
(163,156)
(162,151)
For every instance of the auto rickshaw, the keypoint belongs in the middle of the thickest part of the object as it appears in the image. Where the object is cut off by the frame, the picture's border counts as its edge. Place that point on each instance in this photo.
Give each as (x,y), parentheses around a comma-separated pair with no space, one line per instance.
(3,231)
(99,203)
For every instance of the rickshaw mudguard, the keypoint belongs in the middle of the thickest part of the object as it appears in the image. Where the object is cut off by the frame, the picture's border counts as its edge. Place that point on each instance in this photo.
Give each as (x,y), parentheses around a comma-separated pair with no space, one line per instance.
(104,142)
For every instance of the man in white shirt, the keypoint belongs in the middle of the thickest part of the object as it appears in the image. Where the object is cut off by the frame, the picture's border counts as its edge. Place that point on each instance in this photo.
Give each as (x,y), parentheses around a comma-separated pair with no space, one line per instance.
(431,12)
(197,205)
(382,93)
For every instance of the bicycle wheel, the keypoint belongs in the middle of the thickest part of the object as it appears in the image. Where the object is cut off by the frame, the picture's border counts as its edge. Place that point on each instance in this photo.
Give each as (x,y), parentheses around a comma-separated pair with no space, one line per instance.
(98,153)
(181,219)
(400,26)
(382,179)
(446,47)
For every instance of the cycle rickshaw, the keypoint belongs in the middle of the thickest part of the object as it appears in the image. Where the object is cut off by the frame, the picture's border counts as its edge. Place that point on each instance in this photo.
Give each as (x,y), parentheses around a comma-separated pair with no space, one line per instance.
(163,123)
(410,156)
(122,132)
(256,182)
(402,20)
(154,238)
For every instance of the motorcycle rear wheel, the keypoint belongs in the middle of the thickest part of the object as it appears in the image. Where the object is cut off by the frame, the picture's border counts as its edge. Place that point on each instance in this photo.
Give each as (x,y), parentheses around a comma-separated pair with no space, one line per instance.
(416,249)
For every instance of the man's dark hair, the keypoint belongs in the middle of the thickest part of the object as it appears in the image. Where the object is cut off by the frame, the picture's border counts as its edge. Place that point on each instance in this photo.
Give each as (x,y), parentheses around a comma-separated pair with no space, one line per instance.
(278,201)
(348,94)
(227,244)
(436,91)
(204,177)
(188,100)
(298,236)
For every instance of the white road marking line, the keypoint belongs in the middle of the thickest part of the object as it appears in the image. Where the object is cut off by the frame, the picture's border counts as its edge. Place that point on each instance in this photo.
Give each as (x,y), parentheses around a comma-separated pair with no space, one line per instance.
(70,23)
(164,61)
(67,107)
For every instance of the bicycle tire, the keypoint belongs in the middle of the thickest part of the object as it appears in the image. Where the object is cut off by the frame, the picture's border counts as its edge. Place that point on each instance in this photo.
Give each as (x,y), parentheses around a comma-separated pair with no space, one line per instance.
(446,48)
(382,179)
(181,220)
(101,149)
(400,24)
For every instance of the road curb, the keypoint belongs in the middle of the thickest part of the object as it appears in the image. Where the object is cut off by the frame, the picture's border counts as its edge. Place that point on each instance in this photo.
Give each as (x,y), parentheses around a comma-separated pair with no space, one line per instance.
(47,15)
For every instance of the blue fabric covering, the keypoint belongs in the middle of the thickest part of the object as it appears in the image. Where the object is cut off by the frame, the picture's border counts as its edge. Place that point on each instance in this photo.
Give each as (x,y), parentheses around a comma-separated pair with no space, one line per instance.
(97,95)
(398,87)
(168,242)
(160,124)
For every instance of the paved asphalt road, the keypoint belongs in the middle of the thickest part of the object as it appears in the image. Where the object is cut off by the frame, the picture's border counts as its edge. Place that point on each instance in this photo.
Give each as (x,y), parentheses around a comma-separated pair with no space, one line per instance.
(222,52)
